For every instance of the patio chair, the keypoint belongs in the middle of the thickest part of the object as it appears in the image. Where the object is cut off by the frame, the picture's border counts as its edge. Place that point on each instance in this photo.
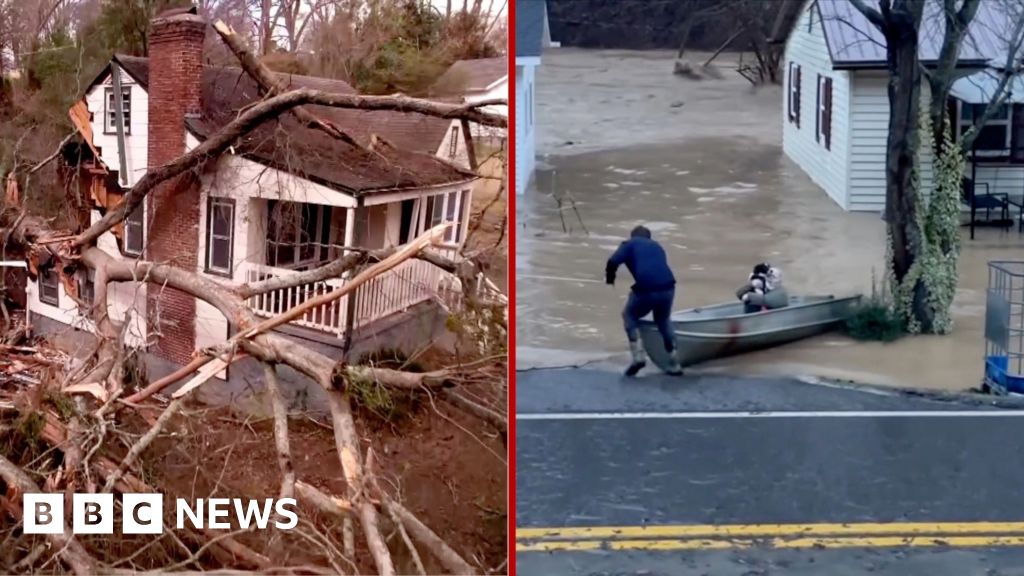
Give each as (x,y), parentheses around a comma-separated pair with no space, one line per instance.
(987,201)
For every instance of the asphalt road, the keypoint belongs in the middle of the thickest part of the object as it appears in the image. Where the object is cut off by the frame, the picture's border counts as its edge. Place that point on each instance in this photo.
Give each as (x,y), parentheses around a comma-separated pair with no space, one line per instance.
(723,476)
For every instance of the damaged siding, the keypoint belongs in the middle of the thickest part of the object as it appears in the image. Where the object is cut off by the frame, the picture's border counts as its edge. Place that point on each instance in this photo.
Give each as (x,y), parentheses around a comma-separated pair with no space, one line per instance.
(137,129)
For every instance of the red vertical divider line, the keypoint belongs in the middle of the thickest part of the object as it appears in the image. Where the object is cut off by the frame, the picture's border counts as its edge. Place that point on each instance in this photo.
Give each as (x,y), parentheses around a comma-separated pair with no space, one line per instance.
(510,275)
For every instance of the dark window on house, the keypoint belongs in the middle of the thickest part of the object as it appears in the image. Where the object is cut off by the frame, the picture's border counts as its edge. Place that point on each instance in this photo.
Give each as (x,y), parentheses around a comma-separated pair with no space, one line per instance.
(434,212)
(220,235)
(406,226)
(49,287)
(823,132)
(995,136)
(110,108)
(453,142)
(135,231)
(297,234)
(794,93)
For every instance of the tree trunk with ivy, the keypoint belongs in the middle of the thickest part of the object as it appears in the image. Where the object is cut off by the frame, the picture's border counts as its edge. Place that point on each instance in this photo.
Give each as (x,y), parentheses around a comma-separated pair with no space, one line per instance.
(924,234)
(902,195)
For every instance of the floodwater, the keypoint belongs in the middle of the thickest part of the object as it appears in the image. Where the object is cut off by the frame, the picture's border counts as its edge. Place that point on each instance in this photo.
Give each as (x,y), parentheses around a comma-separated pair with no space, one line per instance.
(701,164)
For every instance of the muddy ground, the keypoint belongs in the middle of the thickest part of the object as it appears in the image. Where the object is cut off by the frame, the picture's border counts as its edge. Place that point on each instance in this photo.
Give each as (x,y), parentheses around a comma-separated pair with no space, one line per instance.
(623,142)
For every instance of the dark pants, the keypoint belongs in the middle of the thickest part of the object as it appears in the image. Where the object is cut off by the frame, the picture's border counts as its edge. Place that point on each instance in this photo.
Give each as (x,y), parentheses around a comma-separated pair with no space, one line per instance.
(641,304)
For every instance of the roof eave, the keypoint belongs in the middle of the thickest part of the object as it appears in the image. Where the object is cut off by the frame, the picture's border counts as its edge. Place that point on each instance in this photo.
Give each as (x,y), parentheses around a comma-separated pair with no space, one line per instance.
(496,83)
(882,64)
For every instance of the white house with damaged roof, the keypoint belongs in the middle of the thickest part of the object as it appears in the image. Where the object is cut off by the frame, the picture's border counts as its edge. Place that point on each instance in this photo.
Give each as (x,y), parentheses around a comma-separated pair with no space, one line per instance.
(531,30)
(836,105)
(286,198)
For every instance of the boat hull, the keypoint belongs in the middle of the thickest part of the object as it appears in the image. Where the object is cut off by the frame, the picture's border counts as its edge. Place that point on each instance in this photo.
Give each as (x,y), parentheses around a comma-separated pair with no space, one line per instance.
(723,330)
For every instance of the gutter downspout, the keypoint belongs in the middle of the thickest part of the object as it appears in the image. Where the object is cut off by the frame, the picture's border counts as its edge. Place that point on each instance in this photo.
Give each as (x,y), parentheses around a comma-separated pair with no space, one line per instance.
(350,314)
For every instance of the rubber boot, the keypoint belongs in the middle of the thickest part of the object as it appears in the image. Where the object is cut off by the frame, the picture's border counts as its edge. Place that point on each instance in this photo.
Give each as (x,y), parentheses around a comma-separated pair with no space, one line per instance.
(636,349)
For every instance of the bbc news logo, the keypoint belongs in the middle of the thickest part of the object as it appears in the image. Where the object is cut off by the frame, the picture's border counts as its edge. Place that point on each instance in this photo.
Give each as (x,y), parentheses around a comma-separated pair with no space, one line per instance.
(144,513)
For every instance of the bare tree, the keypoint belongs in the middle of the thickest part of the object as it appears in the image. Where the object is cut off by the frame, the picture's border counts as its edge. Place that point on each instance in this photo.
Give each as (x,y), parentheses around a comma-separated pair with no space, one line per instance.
(900,22)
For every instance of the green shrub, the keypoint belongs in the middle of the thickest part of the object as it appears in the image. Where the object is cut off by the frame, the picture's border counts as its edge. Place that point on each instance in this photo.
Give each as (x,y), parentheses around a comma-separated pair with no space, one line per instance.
(876,318)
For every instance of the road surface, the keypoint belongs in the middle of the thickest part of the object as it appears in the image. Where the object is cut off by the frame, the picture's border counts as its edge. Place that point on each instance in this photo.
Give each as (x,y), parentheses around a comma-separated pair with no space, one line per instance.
(740,476)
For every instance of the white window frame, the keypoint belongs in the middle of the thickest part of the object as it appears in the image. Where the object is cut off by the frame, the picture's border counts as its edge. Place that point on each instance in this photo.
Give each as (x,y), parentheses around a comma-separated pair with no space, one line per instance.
(212,202)
(456,198)
(109,113)
(962,125)
(127,226)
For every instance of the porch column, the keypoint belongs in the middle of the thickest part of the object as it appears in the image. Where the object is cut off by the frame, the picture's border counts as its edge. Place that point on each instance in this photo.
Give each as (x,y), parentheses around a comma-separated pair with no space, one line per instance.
(355,232)
(350,228)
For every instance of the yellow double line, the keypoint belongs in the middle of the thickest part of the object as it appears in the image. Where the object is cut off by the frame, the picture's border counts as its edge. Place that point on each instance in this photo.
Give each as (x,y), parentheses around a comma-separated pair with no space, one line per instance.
(781,536)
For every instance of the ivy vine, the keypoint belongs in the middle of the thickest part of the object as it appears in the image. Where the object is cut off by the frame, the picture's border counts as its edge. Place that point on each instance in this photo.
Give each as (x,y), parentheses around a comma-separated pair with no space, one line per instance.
(938,227)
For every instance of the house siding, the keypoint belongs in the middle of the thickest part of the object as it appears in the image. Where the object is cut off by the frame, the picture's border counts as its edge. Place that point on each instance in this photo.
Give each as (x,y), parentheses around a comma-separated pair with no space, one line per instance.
(135,142)
(500,90)
(525,127)
(826,167)
(869,135)
(461,157)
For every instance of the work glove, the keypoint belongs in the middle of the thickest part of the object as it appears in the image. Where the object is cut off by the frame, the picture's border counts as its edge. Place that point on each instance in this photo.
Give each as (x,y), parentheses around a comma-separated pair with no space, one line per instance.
(609,278)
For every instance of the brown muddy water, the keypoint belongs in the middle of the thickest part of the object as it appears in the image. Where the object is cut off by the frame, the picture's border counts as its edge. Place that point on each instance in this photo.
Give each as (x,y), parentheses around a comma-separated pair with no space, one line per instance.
(709,178)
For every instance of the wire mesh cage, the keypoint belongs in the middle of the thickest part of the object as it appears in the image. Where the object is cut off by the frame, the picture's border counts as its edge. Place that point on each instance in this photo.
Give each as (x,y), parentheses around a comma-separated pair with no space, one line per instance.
(1004,328)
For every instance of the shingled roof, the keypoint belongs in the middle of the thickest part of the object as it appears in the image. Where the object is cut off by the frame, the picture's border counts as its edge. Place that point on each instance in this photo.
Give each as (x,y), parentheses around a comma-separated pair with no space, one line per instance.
(284,143)
(469,76)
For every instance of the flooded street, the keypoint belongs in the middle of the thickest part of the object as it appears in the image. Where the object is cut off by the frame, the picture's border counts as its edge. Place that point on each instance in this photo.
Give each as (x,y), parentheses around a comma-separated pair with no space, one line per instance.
(623,142)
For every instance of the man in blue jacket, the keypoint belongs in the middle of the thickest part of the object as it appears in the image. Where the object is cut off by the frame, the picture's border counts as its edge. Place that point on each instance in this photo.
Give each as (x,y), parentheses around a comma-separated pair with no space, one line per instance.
(653,291)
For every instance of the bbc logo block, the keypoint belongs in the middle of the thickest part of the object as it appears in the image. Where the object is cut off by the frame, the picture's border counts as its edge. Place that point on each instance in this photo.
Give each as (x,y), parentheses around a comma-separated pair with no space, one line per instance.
(94,513)
(144,513)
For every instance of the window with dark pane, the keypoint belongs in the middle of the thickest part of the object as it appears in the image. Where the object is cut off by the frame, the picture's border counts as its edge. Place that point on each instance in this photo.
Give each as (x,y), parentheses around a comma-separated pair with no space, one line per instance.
(994,135)
(453,142)
(325,233)
(220,235)
(308,233)
(49,288)
(134,231)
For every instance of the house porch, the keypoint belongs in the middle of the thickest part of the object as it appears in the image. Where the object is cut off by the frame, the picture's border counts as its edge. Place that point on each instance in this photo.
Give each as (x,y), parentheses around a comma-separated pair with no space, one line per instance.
(281,238)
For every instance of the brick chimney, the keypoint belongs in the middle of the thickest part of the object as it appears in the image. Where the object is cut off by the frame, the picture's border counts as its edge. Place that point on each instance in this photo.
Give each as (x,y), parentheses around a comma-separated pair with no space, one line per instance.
(175,76)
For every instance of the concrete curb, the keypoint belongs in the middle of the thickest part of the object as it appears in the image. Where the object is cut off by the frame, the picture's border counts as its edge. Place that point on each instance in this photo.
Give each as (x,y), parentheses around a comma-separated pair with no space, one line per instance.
(965,398)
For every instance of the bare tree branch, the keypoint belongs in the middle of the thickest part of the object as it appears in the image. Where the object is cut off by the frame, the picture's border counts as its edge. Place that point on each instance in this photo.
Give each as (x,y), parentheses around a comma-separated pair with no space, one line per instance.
(69,549)
(873,16)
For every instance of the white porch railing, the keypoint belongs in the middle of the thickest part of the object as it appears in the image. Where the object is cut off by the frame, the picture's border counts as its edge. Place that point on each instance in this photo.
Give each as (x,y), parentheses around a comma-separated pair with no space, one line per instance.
(408,284)
(330,317)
